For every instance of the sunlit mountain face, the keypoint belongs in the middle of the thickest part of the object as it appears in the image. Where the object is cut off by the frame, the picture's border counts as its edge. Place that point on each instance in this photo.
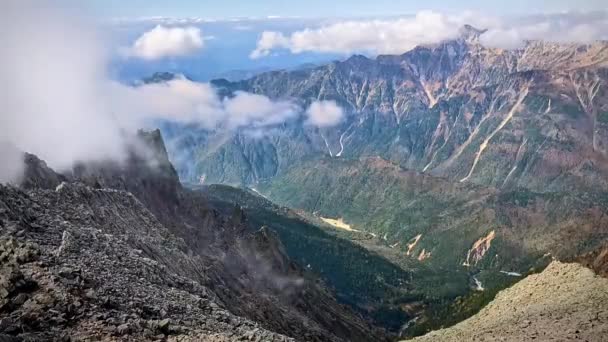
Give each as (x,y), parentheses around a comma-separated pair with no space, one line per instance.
(287,171)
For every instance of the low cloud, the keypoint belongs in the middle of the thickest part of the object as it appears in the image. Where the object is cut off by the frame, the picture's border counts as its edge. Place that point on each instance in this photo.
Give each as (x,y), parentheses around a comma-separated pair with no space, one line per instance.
(54,100)
(188,102)
(12,165)
(371,36)
(324,114)
(247,109)
(568,27)
(59,103)
(397,36)
(268,41)
(161,42)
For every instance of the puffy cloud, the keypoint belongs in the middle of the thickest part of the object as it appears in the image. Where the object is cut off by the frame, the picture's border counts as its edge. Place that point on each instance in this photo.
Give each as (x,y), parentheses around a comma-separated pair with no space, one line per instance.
(400,35)
(188,102)
(324,114)
(247,109)
(373,36)
(162,41)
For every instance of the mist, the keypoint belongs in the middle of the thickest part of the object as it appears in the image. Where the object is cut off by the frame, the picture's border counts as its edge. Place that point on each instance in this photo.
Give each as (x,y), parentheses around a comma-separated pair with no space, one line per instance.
(59,102)
(51,80)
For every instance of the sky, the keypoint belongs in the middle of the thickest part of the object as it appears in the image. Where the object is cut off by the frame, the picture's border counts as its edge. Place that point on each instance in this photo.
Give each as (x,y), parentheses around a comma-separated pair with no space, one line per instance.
(331,8)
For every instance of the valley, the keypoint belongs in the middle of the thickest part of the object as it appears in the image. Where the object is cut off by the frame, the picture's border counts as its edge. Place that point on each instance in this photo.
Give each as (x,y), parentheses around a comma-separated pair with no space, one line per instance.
(367,172)
(460,164)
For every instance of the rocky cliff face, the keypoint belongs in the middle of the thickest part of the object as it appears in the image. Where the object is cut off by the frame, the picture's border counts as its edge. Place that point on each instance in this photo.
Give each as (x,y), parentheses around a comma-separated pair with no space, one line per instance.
(122,251)
(533,117)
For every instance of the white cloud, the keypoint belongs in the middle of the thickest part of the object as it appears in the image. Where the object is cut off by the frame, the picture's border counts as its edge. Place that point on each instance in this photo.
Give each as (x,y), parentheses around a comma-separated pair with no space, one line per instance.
(247,109)
(324,114)
(12,165)
(190,102)
(268,41)
(400,35)
(373,36)
(568,27)
(162,41)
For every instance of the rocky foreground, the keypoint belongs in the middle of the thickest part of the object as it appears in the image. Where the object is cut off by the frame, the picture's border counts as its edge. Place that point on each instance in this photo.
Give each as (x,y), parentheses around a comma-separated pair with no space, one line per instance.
(566,302)
(63,275)
(124,253)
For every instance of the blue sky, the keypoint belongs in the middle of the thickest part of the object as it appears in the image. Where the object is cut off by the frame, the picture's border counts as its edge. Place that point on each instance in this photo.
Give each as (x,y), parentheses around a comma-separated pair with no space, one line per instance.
(328,8)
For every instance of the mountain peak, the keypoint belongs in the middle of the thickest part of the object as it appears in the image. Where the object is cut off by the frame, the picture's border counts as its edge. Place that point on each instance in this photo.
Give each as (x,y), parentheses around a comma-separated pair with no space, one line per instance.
(163,76)
(470,33)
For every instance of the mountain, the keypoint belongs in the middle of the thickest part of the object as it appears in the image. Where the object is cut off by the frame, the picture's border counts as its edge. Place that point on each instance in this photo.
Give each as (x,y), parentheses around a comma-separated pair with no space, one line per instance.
(122,251)
(532,117)
(473,161)
(565,302)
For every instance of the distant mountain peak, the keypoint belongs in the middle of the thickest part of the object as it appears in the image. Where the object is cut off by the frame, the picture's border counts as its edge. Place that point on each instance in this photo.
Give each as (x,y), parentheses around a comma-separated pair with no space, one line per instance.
(163,76)
(470,33)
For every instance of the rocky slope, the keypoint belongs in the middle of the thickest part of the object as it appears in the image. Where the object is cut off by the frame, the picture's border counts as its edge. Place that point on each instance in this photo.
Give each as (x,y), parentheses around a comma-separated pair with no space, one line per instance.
(566,302)
(95,264)
(123,252)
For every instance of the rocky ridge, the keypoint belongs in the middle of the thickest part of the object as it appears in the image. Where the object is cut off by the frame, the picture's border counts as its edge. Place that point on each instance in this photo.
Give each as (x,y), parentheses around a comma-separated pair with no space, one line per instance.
(121,252)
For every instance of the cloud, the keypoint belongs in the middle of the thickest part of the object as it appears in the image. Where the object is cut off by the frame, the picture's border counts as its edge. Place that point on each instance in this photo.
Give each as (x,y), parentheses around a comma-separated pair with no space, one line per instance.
(268,41)
(568,27)
(188,102)
(372,36)
(162,41)
(59,103)
(400,35)
(247,109)
(53,99)
(12,165)
(324,114)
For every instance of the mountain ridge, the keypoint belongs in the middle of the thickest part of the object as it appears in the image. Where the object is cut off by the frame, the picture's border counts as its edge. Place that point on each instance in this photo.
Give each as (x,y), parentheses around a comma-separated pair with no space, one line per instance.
(539,111)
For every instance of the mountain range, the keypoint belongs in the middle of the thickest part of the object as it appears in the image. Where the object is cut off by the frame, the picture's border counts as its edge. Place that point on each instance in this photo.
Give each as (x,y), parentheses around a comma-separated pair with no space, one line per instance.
(532,117)
(443,199)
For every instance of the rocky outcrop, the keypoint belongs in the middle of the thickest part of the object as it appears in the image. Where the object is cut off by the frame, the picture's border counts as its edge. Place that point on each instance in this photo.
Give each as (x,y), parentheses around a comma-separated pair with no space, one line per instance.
(565,302)
(597,260)
(479,249)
